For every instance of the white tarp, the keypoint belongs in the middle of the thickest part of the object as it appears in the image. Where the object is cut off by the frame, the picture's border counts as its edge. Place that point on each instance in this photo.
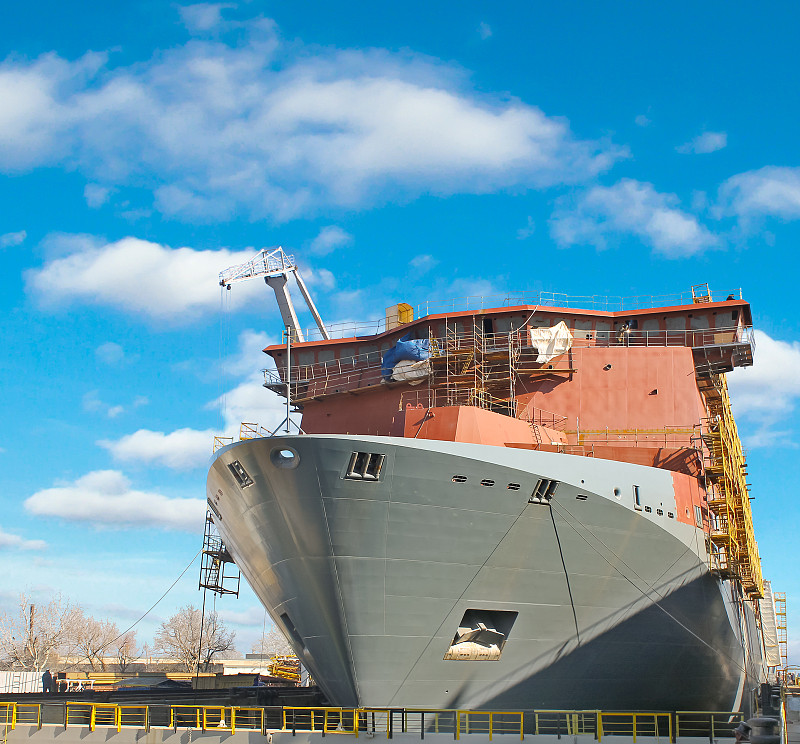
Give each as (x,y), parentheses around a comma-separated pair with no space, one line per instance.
(550,342)
(411,372)
(772,652)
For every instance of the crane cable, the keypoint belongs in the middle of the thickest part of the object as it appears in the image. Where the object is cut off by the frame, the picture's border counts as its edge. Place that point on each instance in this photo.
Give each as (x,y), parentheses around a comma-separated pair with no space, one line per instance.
(153,606)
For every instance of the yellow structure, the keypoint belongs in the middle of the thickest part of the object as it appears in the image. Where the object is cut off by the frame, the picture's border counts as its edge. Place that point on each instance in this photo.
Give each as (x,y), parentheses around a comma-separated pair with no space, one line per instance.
(732,545)
(780,622)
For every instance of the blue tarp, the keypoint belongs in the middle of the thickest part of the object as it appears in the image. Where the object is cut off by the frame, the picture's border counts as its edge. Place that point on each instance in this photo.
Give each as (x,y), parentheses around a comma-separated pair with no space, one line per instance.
(406,349)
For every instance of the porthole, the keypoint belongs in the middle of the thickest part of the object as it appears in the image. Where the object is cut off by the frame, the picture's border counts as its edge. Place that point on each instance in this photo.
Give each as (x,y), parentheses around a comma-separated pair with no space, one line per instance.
(660,512)
(670,515)
(513,486)
(617,493)
(459,479)
(283,457)
(487,482)
(581,497)
(648,509)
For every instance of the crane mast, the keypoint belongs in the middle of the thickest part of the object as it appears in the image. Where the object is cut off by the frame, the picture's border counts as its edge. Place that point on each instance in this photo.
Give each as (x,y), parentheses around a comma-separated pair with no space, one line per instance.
(275,265)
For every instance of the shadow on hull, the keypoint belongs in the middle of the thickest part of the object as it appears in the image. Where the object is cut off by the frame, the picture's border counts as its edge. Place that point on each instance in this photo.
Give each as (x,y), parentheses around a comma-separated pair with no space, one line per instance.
(653,660)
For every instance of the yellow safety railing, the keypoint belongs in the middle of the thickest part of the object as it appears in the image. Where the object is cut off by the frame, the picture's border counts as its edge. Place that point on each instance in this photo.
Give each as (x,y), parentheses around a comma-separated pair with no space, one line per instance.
(26,714)
(489,722)
(706,723)
(632,724)
(327,720)
(595,723)
(216,717)
(8,711)
(220,442)
(353,721)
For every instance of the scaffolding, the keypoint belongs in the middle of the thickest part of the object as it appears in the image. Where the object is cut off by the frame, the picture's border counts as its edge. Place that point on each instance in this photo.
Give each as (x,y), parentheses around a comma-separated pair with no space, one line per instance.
(469,367)
(215,573)
(733,552)
(780,623)
(473,368)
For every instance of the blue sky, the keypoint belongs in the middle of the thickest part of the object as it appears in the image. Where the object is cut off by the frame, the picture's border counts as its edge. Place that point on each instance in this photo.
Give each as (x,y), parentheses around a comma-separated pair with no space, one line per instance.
(404,152)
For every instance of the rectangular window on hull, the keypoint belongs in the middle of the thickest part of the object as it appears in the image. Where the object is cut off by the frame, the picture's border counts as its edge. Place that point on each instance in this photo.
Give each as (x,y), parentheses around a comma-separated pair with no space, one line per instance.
(365,466)
(698,516)
(637,499)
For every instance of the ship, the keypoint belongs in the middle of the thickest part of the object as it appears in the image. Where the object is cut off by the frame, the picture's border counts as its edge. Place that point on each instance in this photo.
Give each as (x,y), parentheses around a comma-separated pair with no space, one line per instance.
(541,504)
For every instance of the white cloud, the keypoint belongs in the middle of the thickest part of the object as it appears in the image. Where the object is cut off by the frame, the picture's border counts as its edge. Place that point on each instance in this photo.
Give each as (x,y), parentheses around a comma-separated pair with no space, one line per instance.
(249,400)
(770,191)
(96,195)
(9,540)
(772,385)
(634,208)
(525,232)
(182,449)
(172,285)
(484,30)
(252,616)
(424,262)
(13,238)
(105,498)
(283,130)
(41,108)
(642,121)
(202,16)
(329,239)
(110,353)
(92,403)
(704,143)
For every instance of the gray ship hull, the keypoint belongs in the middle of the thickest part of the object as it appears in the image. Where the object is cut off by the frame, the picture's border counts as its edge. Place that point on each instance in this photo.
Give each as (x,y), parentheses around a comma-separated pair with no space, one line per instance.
(607,606)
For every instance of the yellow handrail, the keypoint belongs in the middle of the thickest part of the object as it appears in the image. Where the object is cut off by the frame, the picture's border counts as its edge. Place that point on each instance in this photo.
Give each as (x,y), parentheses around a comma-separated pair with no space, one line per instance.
(352,721)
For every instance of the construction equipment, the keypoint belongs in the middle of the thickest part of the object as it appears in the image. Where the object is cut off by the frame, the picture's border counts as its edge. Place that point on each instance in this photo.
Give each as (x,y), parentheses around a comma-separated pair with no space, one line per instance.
(214,572)
(275,266)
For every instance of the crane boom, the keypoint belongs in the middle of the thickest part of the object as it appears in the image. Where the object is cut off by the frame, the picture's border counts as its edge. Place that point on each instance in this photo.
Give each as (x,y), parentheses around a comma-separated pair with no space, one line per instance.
(275,265)
(266,263)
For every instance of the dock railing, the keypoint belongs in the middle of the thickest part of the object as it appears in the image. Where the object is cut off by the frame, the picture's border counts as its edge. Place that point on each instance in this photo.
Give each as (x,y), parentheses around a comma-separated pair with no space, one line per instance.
(385,722)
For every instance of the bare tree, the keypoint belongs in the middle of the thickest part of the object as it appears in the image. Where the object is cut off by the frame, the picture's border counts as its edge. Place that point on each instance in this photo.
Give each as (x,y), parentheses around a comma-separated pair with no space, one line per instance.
(272,643)
(93,639)
(125,651)
(179,637)
(33,633)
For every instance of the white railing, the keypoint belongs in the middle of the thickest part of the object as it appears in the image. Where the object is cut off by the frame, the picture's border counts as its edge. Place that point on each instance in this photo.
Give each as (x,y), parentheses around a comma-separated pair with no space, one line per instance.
(601,303)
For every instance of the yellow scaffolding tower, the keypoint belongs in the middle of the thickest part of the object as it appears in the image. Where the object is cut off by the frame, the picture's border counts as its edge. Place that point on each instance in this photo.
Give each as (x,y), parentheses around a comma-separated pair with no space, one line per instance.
(733,550)
(780,622)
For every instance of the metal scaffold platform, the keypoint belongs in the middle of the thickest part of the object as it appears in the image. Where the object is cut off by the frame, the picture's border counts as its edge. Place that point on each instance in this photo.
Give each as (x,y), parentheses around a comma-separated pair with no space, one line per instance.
(733,550)
(218,572)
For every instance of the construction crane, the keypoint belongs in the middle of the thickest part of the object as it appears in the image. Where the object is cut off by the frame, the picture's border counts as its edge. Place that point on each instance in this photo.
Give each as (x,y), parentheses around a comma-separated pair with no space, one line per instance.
(275,265)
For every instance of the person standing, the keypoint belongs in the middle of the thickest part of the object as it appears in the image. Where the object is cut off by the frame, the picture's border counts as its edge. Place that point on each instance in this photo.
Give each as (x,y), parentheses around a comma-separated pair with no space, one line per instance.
(47,681)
